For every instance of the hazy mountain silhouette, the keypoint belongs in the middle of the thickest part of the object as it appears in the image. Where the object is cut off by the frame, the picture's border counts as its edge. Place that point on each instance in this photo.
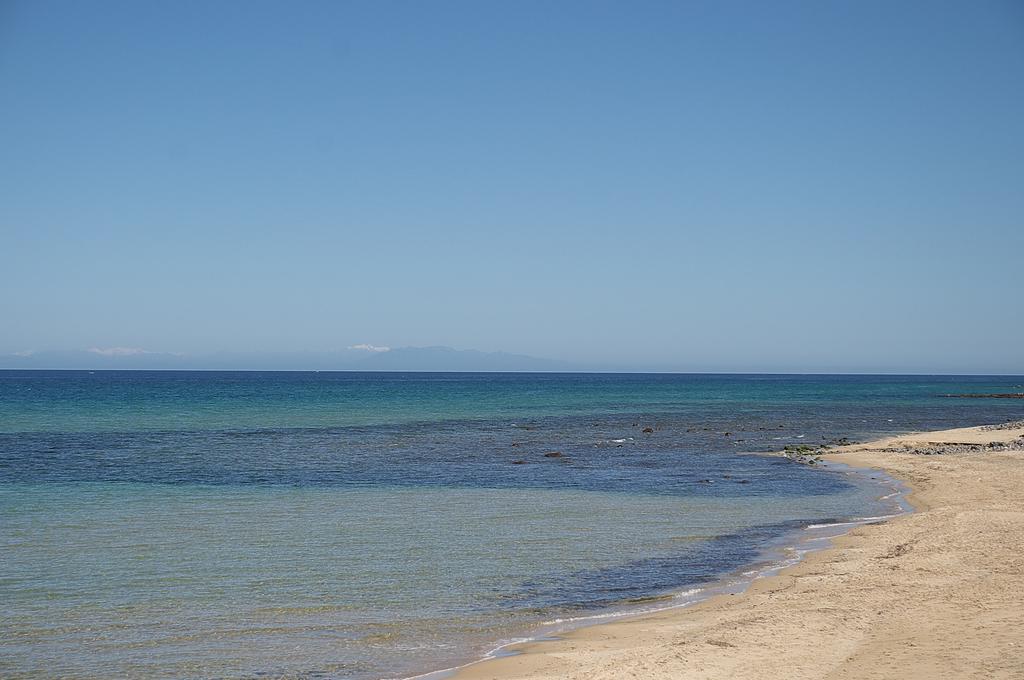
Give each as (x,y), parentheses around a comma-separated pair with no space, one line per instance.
(397,359)
(449,359)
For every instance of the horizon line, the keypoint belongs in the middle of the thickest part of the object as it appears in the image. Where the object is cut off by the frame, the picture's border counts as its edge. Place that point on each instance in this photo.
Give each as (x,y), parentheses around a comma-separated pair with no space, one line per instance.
(540,372)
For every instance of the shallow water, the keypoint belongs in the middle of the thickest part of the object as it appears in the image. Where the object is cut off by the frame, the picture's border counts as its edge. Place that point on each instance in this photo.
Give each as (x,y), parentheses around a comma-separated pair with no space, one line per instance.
(363,525)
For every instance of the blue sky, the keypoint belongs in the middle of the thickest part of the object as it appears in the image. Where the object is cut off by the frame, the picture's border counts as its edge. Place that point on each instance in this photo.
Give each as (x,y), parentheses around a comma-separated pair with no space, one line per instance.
(708,186)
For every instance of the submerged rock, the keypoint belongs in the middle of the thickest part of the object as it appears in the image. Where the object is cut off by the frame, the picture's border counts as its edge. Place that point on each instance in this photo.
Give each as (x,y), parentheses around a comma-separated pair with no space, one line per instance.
(1004,395)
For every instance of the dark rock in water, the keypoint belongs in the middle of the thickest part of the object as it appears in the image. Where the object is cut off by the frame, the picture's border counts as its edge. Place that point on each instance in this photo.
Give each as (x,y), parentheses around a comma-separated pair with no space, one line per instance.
(1012,395)
(728,434)
(553,454)
(519,462)
(648,430)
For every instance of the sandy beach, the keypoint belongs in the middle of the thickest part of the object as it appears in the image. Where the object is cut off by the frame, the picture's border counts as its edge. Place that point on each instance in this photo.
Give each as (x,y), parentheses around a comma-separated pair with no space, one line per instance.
(937,593)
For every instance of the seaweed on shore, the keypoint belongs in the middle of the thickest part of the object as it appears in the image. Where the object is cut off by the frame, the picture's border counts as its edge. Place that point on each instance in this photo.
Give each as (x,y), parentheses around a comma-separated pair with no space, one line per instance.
(804,453)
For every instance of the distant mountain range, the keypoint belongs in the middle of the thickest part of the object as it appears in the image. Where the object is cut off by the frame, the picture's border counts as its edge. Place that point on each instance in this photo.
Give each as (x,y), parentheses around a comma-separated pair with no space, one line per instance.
(449,359)
(357,358)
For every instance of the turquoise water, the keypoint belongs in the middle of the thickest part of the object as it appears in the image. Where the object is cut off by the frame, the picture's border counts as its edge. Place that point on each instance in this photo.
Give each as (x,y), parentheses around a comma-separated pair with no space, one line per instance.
(82,401)
(371,525)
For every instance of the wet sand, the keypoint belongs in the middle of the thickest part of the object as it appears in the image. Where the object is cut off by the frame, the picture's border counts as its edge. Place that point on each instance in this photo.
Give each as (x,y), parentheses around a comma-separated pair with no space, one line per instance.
(938,593)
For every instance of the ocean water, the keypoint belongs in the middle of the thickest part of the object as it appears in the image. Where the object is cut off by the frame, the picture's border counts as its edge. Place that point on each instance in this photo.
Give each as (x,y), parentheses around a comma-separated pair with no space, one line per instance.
(362,525)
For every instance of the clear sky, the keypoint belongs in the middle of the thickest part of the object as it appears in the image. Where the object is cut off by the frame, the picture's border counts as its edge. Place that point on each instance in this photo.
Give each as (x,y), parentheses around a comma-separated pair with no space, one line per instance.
(704,186)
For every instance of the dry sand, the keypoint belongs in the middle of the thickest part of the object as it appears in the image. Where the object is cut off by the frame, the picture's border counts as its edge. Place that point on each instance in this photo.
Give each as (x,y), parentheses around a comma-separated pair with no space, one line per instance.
(938,593)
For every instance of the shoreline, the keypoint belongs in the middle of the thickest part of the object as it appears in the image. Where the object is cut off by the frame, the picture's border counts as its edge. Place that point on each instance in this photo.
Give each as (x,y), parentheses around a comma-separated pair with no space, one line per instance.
(861,606)
(782,553)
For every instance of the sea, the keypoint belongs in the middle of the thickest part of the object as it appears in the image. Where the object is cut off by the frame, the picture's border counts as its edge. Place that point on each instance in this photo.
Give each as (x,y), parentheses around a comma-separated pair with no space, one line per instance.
(176,524)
